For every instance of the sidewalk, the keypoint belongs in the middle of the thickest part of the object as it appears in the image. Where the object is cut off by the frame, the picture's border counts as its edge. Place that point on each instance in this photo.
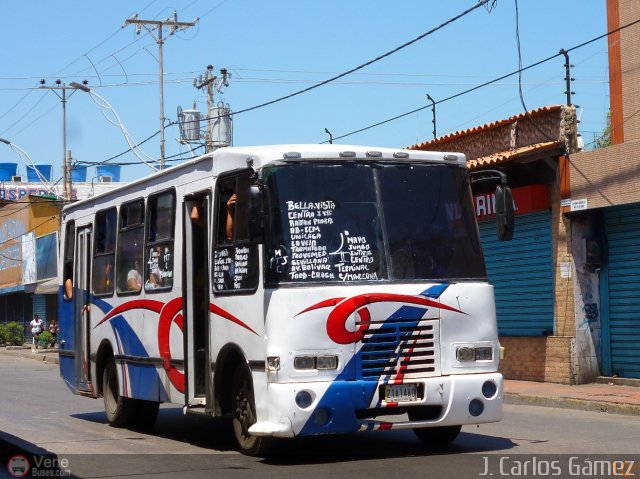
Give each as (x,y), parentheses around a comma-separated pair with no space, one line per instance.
(46,355)
(608,395)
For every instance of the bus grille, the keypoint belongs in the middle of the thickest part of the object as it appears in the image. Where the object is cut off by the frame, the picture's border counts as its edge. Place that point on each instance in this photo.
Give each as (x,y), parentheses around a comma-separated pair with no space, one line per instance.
(397,350)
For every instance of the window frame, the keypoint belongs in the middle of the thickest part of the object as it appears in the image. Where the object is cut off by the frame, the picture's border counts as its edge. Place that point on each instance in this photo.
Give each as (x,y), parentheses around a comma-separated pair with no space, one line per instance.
(149,244)
(104,254)
(219,239)
(68,257)
(126,230)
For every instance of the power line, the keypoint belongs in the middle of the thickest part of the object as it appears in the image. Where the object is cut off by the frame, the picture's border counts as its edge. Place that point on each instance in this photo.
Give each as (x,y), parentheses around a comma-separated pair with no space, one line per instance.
(366,64)
(487,83)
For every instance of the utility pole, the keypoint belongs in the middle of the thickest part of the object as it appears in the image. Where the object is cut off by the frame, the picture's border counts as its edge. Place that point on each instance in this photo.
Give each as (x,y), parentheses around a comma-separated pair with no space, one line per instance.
(150,26)
(212,83)
(66,159)
(433,112)
(567,76)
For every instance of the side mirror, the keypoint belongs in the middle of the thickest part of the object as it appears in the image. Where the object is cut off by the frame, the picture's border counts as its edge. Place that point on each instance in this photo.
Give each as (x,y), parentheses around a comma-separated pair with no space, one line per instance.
(504,213)
(255,215)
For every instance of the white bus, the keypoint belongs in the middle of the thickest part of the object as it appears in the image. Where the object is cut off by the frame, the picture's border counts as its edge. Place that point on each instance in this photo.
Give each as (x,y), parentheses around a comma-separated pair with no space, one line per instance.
(301,289)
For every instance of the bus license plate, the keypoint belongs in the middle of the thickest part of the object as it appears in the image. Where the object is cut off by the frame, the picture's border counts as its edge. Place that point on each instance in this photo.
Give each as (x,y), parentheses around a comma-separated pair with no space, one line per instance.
(400,393)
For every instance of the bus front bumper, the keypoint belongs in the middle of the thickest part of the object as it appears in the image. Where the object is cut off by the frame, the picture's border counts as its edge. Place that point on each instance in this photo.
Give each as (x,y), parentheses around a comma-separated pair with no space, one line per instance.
(337,407)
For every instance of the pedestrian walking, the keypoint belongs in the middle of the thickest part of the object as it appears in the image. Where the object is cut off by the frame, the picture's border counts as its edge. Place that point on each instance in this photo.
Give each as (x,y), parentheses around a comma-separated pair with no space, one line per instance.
(36,328)
(53,329)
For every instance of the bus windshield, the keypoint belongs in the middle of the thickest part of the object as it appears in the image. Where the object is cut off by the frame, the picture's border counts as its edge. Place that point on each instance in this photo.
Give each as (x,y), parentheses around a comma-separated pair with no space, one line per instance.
(382,221)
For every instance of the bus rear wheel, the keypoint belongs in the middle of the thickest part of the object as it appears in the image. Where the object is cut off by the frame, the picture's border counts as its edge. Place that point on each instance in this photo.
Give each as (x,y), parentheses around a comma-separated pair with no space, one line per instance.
(437,436)
(244,415)
(120,411)
(146,413)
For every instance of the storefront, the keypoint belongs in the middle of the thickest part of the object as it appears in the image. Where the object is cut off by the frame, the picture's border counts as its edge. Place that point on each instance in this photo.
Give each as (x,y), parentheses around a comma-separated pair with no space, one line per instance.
(521,270)
(620,292)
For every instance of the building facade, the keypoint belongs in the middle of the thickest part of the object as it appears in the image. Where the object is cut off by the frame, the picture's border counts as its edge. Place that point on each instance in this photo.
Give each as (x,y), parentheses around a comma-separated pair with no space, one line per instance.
(28,256)
(29,228)
(568,285)
(603,203)
(533,273)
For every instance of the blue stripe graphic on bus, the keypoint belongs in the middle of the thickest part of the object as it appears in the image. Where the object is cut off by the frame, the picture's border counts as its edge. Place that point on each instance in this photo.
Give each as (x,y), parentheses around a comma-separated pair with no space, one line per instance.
(144,378)
(361,392)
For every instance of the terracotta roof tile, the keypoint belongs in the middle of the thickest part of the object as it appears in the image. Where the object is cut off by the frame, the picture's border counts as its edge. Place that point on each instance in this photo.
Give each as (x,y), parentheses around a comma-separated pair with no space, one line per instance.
(504,156)
(477,129)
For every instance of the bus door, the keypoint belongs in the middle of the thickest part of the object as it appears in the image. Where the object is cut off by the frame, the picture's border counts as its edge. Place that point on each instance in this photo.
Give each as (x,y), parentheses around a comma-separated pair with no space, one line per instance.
(81,311)
(196,300)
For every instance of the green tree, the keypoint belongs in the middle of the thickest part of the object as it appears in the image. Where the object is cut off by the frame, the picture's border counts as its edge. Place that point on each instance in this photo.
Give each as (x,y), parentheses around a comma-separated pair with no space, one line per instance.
(45,339)
(604,139)
(14,334)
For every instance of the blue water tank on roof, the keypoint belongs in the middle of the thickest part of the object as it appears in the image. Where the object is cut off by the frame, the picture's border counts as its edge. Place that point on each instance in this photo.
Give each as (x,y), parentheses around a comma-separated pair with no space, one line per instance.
(7,170)
(112,172)
(79,174)
(44,170)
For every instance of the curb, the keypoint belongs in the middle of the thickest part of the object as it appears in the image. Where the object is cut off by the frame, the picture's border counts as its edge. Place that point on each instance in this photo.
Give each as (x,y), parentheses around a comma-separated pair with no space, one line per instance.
(572,403)
(47,356)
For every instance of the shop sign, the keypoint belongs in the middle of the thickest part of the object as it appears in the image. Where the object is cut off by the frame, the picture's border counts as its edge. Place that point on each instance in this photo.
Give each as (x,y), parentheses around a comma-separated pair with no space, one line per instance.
(526,199)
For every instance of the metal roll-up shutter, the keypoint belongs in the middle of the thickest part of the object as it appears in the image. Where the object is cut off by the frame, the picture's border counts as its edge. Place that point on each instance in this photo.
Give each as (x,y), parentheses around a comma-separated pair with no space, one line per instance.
(521,271)
(40,306)
(623,291)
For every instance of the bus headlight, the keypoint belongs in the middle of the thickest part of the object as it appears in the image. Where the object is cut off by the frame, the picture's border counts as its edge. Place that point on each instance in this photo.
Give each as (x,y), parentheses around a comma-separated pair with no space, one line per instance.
(484,354)
(470,353)
(465,353)
(324,362)
(327,362)
(304,362)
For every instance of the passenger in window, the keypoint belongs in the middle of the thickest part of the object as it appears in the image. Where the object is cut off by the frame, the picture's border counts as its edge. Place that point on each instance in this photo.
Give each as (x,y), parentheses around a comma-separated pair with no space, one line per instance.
(231,211)
(196,214)
(155,273)
(134,278)
(103,283)
(68,288)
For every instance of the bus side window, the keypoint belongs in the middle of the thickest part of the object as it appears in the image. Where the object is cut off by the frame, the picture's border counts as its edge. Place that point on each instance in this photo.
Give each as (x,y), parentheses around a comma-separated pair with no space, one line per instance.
(158,266)
(104,252)
(69,249)
(235,265)
(130,247)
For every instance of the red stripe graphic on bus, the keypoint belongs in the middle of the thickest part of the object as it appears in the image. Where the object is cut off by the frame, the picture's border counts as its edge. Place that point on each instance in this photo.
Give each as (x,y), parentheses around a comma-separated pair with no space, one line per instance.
(345,307)
(170,312)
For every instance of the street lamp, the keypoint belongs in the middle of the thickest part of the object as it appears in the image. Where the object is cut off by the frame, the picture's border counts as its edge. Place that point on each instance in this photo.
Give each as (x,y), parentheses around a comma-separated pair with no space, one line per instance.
(66,163)
(31,164)
(79,86)
(104,104)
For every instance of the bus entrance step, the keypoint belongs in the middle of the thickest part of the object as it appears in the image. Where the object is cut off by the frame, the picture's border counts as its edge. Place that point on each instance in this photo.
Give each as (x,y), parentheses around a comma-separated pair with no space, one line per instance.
(199,409)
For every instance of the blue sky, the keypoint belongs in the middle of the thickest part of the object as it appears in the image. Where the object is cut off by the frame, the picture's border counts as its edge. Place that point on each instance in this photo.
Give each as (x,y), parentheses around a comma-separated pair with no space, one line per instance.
(274,48)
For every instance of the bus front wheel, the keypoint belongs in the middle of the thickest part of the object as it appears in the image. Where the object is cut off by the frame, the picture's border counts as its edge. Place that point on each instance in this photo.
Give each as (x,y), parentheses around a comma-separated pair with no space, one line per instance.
(437,436)
(119,410)
(244,415)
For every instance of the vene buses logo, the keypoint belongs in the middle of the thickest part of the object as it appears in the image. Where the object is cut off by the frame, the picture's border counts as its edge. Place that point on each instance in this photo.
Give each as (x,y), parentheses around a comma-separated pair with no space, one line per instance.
(18,466)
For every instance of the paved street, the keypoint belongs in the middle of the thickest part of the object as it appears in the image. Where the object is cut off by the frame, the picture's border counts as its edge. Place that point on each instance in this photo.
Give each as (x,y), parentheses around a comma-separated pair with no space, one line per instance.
(37,408)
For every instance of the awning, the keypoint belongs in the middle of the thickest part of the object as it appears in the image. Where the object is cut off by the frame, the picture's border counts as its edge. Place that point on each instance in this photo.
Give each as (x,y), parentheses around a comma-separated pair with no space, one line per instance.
(47,286)
(18,288)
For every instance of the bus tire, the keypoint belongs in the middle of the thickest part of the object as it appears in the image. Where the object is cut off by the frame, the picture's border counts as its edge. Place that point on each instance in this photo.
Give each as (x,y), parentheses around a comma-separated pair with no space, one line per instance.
(146,413)
(243,410)
(119,410)
(437,436)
